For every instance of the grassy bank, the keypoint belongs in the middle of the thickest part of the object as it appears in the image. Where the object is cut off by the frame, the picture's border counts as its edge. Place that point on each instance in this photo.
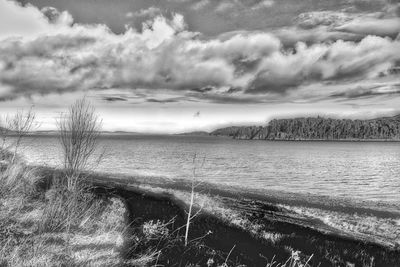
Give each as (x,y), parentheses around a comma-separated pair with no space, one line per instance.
(37,231)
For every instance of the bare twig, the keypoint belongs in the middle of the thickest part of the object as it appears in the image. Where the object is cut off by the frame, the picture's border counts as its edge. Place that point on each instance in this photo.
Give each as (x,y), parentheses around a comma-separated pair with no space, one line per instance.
(229,254)
(18,125)
(192,194)
(79,133)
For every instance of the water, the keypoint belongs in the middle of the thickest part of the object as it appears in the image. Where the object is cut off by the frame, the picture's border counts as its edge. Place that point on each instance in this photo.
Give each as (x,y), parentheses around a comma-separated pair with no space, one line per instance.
(357,174)
(360,170)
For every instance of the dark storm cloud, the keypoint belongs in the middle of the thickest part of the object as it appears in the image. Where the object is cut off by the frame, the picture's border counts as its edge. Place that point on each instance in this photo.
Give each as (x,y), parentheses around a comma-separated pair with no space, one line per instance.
(368,91)
(227,98)
(114,98)
(202,90)
(163,101)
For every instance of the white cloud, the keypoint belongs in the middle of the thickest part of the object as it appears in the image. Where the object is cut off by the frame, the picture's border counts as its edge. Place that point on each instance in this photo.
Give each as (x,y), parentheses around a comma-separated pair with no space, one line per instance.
(327,62)
(164,55)
(372,26)
(200,4)
(327,26)
(56,17)
(145,13)
(27,21)
(314,19)
(225,6)
(263,4)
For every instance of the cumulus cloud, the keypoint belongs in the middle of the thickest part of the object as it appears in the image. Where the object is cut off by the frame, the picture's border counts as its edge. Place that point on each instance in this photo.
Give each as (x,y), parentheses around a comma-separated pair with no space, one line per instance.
(329,26)
(200,4)
(165,55)
(263,4)
(145,13)
(56,17)
(314,19)
(225,6)
(290,36)
(236,7)
(372,26)
(28,21)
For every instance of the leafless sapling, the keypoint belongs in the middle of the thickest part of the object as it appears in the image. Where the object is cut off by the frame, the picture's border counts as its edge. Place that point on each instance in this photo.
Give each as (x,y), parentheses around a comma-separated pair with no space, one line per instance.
(79,135)
(194,184)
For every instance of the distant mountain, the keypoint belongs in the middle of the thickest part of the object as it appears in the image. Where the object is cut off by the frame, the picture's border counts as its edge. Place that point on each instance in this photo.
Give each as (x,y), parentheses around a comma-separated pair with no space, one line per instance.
(50,132)
(119,133)
(56,132)
(196,133)
(4,131)
(319,128)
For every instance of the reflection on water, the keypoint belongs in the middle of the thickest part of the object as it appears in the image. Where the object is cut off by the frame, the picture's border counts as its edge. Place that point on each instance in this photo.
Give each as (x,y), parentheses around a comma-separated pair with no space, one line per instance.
(361,170)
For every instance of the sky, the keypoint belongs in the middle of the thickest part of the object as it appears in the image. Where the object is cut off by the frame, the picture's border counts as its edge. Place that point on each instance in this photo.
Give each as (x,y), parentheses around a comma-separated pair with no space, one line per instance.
(174,66)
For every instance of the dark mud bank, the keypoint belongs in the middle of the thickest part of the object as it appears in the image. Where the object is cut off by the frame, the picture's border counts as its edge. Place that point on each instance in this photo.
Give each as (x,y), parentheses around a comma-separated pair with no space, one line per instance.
(216,236)
(250,250)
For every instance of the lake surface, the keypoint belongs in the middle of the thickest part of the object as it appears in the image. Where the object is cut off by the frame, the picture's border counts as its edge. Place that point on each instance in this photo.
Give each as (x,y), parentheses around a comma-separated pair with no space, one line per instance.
(358,170)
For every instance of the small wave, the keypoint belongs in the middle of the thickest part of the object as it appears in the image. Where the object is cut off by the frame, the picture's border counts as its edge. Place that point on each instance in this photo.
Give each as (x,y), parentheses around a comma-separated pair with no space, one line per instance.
(368,226)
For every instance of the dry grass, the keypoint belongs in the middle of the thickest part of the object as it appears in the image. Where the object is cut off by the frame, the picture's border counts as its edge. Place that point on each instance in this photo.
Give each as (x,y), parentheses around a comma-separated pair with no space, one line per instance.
(65,210)
(17,179)
(95,242)
(56,228)
(293,261)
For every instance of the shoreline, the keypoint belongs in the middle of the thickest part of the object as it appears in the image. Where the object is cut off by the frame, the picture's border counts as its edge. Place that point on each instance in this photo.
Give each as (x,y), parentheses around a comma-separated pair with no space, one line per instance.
(258,228)
(308,140)
(269,226)
(275,197)
(133,134)
(245,201)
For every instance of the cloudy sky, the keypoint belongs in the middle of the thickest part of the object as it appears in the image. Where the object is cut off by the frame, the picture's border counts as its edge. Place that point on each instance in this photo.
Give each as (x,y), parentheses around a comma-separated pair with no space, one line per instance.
(182,65)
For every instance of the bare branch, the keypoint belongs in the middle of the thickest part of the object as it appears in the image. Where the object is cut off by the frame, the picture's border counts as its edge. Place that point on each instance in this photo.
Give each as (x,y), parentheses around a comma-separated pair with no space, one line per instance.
(79,133)
(192,195)
(19,125)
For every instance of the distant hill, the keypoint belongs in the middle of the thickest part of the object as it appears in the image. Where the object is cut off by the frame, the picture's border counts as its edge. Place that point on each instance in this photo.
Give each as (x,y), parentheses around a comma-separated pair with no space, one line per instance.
(4,131)
(318,128)
(56,132)
(196,133)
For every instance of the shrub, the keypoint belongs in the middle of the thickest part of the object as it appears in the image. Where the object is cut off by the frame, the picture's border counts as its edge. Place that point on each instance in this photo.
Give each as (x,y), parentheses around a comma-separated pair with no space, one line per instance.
(18,179)
(66,209)
(70,202)
(79,132)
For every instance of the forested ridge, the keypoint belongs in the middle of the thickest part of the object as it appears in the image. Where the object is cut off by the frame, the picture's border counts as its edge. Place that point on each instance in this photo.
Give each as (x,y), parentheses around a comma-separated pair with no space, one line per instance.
(318,128)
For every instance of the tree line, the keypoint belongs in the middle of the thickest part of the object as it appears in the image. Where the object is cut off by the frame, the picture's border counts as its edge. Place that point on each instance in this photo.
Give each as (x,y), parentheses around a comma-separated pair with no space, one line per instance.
(318,128)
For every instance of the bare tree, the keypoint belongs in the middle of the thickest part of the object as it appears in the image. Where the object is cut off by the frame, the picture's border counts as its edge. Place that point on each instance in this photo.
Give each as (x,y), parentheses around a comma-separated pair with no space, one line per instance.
(19,125)
(79,133)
